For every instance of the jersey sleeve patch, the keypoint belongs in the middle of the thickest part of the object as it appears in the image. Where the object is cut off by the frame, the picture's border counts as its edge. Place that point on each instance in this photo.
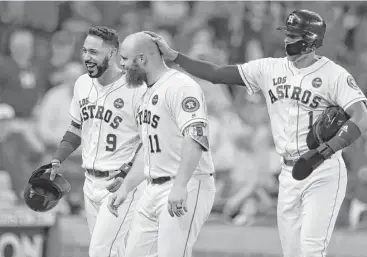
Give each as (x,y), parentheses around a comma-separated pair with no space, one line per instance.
(190,104)
(352,83)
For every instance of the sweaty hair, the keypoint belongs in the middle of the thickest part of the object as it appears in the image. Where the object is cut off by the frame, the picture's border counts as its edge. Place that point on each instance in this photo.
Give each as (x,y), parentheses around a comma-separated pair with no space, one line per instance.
(108,35)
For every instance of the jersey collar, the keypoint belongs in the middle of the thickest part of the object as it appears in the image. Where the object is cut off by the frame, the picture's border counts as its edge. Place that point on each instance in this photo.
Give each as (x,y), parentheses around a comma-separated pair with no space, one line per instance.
(315,66)
(120,81)
(162,79)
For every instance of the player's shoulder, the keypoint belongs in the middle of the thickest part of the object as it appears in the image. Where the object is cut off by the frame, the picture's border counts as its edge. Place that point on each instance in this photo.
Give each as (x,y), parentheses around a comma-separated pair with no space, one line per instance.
(83,80)
(335,72)
(180,82)
(333,68)
(181,79)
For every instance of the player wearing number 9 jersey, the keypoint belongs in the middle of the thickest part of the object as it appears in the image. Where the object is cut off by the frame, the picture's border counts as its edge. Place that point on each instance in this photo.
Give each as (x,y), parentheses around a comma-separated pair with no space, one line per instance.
(298,88)
(103,111)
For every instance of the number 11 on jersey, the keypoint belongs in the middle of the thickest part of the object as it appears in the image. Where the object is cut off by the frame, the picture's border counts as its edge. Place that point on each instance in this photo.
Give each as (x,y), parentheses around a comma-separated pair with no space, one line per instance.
(154,144)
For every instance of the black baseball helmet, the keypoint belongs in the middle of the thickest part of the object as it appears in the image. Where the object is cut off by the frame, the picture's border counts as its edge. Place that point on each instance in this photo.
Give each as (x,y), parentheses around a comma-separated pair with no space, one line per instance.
(41,194)
(308,24)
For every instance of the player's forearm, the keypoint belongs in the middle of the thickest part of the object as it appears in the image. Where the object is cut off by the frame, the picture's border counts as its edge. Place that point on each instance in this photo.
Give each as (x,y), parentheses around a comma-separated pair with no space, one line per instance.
(361,122)
(200,69)
(136,174)
(191,153)
(70,142)
(352,129)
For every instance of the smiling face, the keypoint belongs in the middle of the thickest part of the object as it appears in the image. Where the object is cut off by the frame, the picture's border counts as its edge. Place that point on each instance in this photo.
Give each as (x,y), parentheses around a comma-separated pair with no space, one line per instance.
(132,65)
(96,55)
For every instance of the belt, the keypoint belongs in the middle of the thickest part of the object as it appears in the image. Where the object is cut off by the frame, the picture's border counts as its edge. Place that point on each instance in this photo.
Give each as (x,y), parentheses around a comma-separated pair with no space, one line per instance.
(98,173)
(104,174)
(288,162)
(162,180)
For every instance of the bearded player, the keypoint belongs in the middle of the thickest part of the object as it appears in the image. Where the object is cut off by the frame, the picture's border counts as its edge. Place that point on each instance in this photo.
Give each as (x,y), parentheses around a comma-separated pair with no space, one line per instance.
(298,89)
(103,111)
(178,165)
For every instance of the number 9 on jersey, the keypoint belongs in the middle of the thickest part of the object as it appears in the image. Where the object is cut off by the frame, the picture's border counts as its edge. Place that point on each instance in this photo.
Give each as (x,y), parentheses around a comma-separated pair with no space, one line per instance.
(111,142)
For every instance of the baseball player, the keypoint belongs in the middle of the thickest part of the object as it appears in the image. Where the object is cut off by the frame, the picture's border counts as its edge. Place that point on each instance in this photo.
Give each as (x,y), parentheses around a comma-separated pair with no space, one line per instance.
(298,88)
(103,111)
(174,129)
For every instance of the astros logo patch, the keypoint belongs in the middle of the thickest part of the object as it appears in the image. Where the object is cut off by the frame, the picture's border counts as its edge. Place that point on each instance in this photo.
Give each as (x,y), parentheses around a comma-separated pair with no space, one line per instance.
(316,82)
(155,100)
(190,104)
(291,19)
(352,83)
(118,103)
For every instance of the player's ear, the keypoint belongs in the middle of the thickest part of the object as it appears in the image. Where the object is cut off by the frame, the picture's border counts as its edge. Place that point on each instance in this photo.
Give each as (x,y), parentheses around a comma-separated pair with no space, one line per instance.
(143,58)
(113,52)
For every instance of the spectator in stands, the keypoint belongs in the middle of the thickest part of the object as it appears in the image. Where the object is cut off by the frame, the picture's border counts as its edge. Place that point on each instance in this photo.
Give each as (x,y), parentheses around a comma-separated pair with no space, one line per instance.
(7,196)
(53,111)
(254,183)
(20,76)
(62,50)
(355,157)
(23,83)
(225,123)
(358,206)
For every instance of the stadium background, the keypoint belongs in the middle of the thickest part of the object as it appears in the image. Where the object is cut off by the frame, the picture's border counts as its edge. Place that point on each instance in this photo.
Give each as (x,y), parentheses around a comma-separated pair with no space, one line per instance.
(40,60)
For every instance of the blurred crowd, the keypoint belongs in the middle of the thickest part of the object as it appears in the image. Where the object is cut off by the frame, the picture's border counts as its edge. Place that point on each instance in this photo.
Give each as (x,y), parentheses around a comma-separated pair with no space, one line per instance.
(40,60)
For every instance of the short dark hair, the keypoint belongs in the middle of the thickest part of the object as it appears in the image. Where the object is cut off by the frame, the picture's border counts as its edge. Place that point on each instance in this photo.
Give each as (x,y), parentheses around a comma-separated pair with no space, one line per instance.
(108,35)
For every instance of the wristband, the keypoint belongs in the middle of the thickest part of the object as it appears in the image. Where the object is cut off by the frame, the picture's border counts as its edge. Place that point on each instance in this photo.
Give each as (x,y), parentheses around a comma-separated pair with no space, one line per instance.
(177,54)
(346,135)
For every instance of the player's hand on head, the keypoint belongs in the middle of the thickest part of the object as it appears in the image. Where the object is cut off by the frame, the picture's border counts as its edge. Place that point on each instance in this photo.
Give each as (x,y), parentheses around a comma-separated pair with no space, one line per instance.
(114,184)
(116,199)
(55,169)
(177,201)
(167,52)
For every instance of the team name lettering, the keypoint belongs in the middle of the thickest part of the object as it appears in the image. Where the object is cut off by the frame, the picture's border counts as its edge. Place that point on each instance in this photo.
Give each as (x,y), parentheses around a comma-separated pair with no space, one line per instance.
(101,113)
(83,102)
(279,80)
(146,117)
(295,93)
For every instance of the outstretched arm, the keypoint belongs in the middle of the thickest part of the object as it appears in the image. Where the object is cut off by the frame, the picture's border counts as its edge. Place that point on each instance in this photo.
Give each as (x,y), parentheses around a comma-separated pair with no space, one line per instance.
(227,74)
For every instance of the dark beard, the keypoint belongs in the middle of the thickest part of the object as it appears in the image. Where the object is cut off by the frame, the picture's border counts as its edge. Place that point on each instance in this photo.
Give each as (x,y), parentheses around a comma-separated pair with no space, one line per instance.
(135,77)
(100,69)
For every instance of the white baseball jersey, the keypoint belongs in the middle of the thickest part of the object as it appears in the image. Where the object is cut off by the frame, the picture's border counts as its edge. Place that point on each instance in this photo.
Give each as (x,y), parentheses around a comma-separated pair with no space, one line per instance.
(296,97)
(174,102)
(109,132)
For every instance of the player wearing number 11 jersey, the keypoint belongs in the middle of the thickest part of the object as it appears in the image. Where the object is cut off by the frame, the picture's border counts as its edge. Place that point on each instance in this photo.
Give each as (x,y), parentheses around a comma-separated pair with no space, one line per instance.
(173,121)
(103,111)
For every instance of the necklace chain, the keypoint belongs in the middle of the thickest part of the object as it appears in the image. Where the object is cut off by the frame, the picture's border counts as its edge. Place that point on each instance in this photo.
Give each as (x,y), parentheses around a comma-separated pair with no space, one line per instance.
(113,83)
